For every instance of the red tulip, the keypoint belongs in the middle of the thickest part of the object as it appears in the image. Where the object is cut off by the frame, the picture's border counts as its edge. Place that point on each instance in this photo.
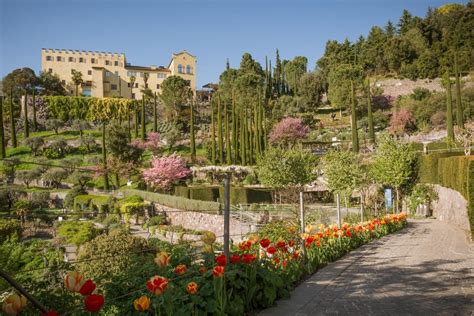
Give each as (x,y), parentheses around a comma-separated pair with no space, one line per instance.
(50,313)
(248,258)
(218,271)
(94,302)
(265,243)
(271,250)
(235,259)
(221,260)
(87,288)
(291,243)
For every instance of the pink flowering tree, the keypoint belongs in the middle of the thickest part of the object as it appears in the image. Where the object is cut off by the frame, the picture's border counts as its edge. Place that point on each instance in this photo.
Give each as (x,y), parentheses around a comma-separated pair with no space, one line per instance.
(165,171)
(152,143)
(402,122)
(288,131)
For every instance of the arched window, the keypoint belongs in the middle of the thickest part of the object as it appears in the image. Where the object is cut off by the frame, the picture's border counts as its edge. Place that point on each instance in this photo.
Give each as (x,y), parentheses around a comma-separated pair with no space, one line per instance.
(189,69)
(180,68)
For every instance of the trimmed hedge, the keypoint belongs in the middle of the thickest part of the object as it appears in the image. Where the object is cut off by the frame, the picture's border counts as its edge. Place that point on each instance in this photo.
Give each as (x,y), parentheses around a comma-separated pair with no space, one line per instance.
(238,195)
(452,171)
(176,201)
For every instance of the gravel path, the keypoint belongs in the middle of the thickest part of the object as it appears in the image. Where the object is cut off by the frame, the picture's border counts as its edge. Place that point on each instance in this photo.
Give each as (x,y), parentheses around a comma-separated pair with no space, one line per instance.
(426,269)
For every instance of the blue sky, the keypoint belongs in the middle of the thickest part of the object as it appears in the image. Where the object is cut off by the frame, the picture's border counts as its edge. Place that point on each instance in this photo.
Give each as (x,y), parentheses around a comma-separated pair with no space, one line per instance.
(148,32)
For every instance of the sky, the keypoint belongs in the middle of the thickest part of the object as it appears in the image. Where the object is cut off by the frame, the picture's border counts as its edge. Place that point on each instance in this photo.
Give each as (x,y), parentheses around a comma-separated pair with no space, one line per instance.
(148,32)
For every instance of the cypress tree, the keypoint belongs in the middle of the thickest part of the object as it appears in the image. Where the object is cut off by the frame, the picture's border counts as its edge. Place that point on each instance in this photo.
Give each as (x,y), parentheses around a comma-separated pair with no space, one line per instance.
(143,119)
(12,121)
(228,151)
(449,108)
(234,131)
(278,73)
(355,137)
(129,123)
(136,121)
(104,159)
(193,140)
(256,130)
(3,153)
(25,112)
(155,114)
(251,138)
(242,135)
(35,121)
(370,116)
(459,110)
(219,130)
(213,134)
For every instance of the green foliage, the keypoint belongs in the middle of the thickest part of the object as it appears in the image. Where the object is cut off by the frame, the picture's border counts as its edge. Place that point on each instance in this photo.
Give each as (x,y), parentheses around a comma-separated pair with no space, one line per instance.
(81,202)
(175,93)
(77,233)
(72,194)
(117,251)
(156,220)
(422,194)
(428,166)
(280,168)
(9,228)
(394,163)
(175,201)
(342,171)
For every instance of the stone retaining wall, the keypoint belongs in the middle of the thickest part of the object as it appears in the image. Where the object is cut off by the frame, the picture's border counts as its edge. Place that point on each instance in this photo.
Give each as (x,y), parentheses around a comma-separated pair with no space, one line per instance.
(451,207)
(205,221)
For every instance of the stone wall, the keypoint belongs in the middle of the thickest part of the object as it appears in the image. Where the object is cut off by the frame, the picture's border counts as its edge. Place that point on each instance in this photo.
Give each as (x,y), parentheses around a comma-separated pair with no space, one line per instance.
(205,221)
(451,207)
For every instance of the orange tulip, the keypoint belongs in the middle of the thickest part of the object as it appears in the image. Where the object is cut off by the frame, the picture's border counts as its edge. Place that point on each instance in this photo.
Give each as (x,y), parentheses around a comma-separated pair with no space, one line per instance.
(162,259)
(142,303)
(157,285)
(13,304)
(73,281)
(192,288)
(202,269)
(218,271)
(180,269)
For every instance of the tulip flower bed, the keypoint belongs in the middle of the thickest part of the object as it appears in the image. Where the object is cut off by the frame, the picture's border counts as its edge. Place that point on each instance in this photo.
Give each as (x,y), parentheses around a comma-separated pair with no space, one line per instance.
(259,271)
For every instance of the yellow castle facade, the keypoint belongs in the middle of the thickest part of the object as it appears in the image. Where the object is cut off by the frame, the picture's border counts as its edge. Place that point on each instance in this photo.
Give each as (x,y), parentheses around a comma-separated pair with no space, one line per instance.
(110,75)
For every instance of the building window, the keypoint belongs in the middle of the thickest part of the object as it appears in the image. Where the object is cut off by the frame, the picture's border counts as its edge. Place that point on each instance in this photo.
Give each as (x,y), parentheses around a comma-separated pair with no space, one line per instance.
(70,59)
(189,69)
(108,73)
(133,95)
(158,86)
(92,60)
(107,62)
(81,60)
(136,85)
(89,72)
(161,75)
(49,58)
(116,73)
(141,74)
(128,84)
(180,69)
(58,58)
(113,87)
(131,73)
(50,70)
(116,63)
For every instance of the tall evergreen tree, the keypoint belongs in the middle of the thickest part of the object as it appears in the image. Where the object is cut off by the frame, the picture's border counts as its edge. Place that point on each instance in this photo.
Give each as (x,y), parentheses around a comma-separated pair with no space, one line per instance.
(33,105)
(12,121)
(191,127)
(459,109)
(228,151)
(220,141)
(25,117)
(405,23)
(143,123)
(355,136)
(278,73)
(104,159)
(370,116)
(449,108)
(155,113)
(3,153)
(213,134)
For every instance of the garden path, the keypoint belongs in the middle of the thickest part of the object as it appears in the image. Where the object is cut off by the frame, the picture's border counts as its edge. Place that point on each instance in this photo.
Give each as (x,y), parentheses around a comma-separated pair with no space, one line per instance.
(425,269)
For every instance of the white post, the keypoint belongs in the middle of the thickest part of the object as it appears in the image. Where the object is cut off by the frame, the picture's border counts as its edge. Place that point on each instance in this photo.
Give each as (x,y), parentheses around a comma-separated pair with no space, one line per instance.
(338,204)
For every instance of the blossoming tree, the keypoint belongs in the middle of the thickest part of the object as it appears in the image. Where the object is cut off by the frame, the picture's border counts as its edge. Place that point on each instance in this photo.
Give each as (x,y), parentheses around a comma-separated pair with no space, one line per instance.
(288,131)
(165,171)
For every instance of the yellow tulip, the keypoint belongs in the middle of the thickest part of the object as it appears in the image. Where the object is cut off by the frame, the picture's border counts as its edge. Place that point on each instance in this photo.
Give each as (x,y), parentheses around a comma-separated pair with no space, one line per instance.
(73,281)
(142,303)
(162,259)
(13,304)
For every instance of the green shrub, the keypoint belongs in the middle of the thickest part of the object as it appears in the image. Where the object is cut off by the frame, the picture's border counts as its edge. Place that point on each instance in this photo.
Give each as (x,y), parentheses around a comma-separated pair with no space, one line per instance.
(9,228)
(156,220)
(428,166)
(81,202)
(72,194)
(77,233)
(53,153)
(21,150)
(181,191)
(204,193)
(176,201)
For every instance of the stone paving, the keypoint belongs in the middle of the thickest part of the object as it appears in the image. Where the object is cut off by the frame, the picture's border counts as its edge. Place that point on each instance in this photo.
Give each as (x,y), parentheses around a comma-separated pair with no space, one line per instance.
(426,269)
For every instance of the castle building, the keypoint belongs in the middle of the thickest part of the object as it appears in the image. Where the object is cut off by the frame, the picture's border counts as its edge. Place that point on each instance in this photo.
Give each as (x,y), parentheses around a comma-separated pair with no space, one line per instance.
(109,74)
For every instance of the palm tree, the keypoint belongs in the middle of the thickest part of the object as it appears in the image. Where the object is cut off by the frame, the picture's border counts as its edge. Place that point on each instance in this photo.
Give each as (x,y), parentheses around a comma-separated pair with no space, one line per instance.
(77,80)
